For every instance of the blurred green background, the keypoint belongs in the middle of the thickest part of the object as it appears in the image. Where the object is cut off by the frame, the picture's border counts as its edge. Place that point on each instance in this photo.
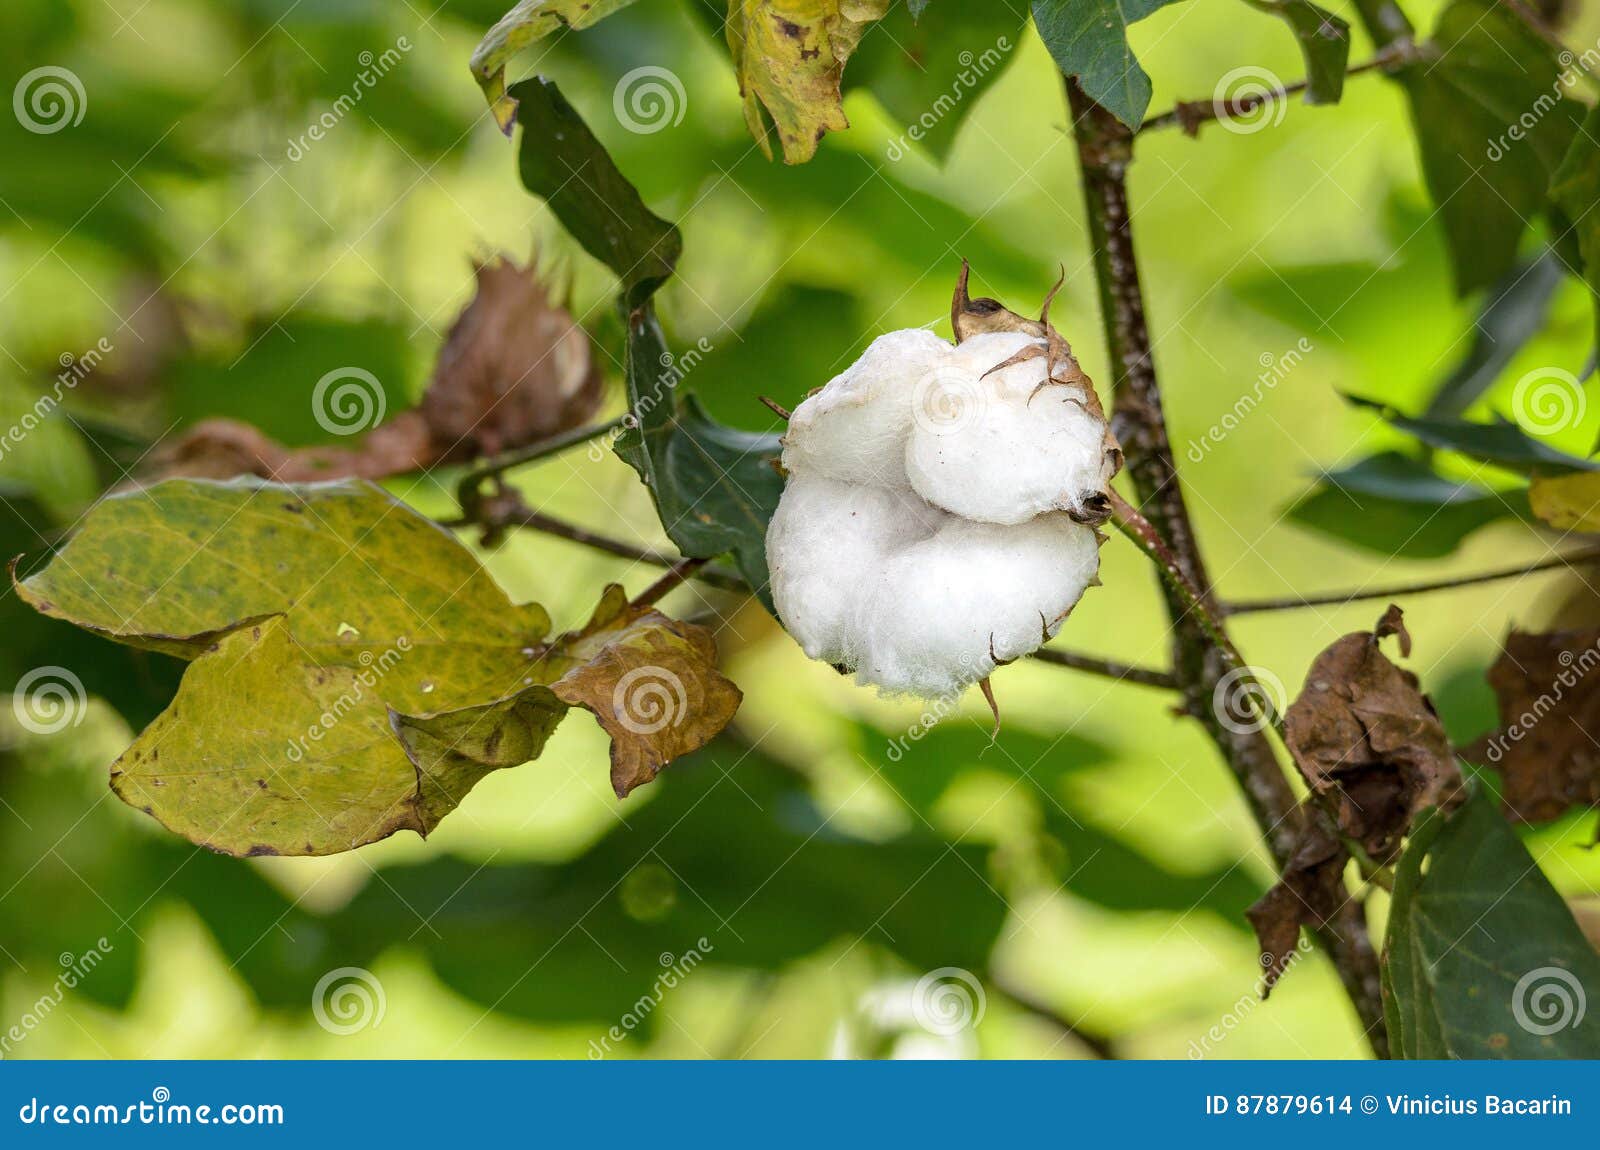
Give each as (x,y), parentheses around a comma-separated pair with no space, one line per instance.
(1091,866)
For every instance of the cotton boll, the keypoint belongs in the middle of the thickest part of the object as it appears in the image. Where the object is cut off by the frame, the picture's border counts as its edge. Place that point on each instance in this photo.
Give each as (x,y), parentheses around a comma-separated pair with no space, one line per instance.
(943,610)
(999,447)
(854,429)
(827,541)
(1011,460)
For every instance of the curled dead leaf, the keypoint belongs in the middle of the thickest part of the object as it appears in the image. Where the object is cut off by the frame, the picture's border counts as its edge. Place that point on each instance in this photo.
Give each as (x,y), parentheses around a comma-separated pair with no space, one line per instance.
(1549,703)
(1367,739)
(515,368)
(1309,893)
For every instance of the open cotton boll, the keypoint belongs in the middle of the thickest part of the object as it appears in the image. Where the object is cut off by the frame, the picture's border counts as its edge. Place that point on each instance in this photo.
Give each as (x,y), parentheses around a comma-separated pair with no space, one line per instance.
(827,541)
(854,429)
(1007,458)
(944,610)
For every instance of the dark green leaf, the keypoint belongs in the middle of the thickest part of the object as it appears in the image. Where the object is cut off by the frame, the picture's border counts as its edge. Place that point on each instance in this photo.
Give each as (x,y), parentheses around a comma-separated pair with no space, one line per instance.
(1513,314)
(1492,123)
(1576,188)
(561,161)
(1501,443)
(1483,958)
(1324,41)
(1089,39)
(715,488)
(1395,505)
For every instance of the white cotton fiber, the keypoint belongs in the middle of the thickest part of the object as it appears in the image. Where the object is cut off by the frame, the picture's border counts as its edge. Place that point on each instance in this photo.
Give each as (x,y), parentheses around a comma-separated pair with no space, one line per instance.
(854,429)
(921,536)
(945,609)
(826,541)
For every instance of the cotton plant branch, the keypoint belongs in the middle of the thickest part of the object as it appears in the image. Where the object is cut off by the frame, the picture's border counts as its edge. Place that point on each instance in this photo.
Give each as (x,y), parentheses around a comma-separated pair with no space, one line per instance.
(1201,662)
(1190,115)
(470,485)
(1337,598)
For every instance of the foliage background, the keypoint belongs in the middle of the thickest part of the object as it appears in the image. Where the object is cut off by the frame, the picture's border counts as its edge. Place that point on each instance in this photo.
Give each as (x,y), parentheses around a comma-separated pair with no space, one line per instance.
(1107,833)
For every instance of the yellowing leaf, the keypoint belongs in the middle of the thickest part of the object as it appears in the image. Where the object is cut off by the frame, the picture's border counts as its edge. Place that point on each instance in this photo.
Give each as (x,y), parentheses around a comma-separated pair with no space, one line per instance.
(1569,502)
(790,56)
(355,670)
(529,21)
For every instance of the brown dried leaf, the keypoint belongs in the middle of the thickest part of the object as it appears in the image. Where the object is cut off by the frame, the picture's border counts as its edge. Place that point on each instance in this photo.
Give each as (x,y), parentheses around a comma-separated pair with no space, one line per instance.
(1363,733)
(1545,749)
(515,369)
(1309,893)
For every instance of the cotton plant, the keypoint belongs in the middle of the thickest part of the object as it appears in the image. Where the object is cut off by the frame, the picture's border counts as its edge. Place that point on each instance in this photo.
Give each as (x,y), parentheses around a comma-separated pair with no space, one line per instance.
(939,514)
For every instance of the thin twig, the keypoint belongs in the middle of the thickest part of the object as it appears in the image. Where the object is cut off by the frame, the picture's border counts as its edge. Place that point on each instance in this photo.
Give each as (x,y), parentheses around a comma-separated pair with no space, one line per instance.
(538,521)
(1191,114)
(1336,598)
(671,581)
(1109,668)
(467,487)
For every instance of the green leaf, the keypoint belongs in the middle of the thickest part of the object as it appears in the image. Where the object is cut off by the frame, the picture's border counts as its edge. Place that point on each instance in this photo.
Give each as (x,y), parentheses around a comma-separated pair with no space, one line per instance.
(1393,504)
(1483,958)
(561,161)
(1501,443)
(1492,123)
(929,71)
(529,21)
(355,670)
(1324,41)
(1576,188)
(715,488)
(1088,39)
(1513,313)
(789,56)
